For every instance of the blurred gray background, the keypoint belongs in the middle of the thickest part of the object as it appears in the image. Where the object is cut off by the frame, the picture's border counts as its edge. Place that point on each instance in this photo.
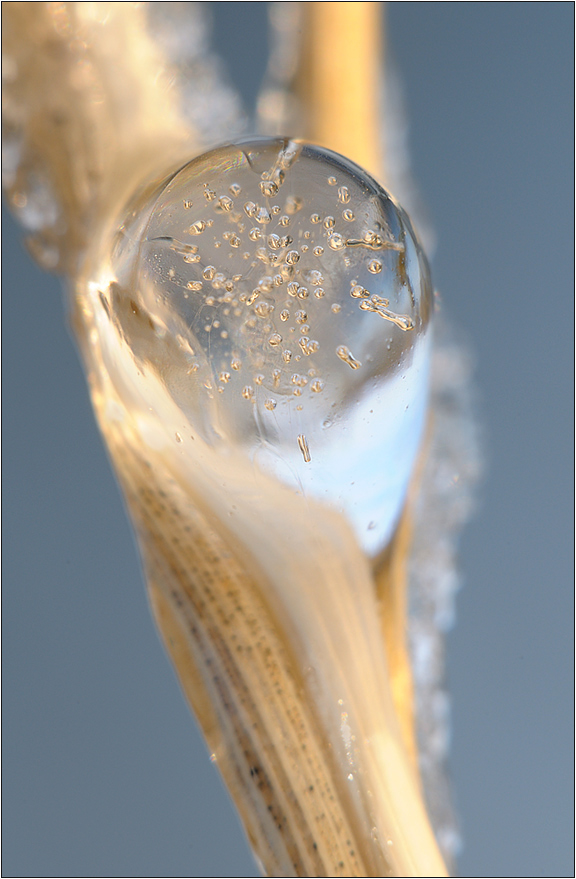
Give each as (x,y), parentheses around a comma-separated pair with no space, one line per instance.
(104,771)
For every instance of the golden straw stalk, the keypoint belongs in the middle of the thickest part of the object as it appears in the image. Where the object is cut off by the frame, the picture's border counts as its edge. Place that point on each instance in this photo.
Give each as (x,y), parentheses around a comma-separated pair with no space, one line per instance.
(195,278)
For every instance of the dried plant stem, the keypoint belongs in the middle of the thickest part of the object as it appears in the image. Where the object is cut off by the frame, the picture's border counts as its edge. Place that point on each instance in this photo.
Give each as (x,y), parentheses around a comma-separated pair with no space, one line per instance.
(338,83)
(258,696)
(304,695)
(339,79)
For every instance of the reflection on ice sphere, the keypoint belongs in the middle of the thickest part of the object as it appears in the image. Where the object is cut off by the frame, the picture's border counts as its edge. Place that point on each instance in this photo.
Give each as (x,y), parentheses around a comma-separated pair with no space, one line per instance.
(289,304)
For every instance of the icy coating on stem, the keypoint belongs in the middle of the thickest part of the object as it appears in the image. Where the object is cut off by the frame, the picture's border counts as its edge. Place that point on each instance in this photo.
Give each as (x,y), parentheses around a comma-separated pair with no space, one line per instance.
(295,303)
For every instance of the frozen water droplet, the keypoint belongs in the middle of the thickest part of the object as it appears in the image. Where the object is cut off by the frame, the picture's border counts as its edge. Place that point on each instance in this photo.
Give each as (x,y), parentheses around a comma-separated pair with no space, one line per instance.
(361,377)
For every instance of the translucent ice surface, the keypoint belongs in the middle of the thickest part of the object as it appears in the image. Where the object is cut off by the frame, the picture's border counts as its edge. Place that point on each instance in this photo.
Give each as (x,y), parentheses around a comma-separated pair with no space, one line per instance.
(290,303)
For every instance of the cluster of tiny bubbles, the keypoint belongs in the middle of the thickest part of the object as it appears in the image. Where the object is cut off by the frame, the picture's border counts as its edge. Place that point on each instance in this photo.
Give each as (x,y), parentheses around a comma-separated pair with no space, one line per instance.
(292,300)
